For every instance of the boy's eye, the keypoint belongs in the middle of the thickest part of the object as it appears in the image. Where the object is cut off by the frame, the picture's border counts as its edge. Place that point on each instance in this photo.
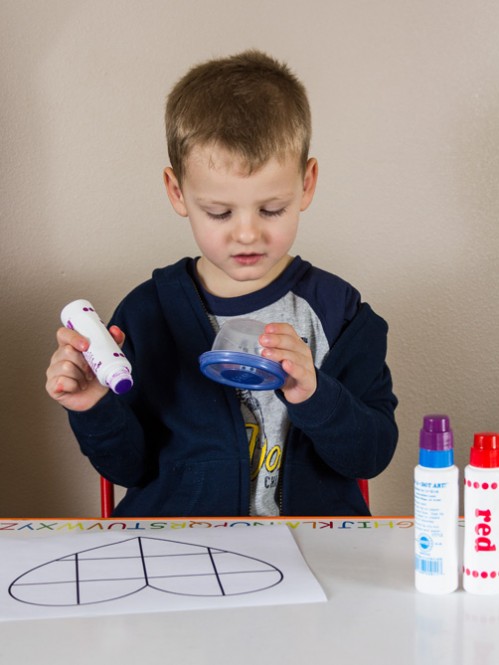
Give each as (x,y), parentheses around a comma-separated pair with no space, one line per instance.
(272,213)
(220,216)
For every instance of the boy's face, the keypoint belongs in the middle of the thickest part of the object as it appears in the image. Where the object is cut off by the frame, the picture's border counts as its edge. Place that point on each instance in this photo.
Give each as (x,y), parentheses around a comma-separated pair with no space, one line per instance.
(243,224)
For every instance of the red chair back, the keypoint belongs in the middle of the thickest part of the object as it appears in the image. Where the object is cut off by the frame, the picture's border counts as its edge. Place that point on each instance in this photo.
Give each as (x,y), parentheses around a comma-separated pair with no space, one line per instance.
(364,489)
(106,498)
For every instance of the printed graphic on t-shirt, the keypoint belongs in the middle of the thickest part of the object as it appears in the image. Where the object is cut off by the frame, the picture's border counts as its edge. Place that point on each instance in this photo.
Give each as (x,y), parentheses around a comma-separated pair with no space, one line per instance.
(265,440)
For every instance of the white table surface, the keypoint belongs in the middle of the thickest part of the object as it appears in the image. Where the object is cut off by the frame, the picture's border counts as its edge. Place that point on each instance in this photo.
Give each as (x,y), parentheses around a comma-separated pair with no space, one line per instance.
(373,613)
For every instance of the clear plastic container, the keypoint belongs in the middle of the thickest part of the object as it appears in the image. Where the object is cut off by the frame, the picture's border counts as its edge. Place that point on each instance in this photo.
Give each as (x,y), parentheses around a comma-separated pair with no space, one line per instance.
(235,358)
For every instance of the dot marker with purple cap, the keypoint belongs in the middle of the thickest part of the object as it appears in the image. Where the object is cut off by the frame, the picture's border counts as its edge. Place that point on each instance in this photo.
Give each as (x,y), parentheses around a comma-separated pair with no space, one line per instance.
(436,505)
(104,356)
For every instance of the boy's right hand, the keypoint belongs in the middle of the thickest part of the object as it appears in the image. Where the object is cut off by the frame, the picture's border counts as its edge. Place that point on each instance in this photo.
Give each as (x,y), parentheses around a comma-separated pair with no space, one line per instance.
(70,381)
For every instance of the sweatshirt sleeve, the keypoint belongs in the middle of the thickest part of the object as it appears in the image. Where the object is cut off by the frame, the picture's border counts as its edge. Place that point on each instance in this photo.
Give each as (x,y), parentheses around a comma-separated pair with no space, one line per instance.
(112,438)
(349,420)
(113,433)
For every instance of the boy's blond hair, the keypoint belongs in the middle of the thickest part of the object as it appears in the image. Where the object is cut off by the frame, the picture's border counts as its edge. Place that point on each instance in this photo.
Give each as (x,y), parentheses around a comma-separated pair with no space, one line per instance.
(249,104)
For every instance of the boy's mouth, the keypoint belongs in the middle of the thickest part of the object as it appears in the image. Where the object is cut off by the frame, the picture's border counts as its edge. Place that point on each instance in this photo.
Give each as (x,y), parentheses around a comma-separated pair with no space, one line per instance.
(247,259)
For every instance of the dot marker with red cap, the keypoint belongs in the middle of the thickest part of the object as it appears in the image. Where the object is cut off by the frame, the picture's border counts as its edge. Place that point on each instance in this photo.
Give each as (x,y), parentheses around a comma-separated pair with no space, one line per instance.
(481,513)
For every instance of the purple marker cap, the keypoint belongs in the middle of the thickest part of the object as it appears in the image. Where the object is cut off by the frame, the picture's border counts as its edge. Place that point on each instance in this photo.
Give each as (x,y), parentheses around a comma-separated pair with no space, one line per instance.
(436,433)
(436,442)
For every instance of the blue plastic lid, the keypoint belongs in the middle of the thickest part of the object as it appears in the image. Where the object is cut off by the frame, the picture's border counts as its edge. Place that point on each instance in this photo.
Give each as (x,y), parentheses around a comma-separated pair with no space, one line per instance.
(436,442)
(242,370)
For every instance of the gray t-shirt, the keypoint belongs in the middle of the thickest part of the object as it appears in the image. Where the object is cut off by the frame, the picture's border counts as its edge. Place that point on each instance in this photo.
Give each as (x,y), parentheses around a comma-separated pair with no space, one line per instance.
(304,297)
(265,416)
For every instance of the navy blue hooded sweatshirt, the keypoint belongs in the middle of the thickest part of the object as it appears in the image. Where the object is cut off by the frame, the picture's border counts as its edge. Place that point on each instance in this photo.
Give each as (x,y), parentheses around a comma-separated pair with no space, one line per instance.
(177,440)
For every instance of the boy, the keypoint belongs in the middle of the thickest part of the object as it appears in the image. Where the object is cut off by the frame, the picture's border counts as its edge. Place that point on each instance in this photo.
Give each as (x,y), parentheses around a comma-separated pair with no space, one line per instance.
(238,132)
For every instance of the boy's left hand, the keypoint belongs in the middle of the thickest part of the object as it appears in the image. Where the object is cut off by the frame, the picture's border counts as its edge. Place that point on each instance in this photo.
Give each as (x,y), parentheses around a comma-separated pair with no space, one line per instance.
(282,344)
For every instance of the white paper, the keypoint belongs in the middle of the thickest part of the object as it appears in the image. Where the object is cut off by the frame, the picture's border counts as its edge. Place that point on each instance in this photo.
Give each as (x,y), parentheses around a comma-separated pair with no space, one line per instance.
(89,574)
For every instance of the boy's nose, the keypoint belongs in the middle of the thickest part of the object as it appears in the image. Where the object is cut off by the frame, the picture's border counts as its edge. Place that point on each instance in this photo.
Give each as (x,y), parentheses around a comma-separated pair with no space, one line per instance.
(246,230)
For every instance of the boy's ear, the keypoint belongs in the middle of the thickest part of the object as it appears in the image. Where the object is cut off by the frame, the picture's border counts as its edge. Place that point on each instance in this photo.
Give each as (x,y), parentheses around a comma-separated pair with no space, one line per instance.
(309,183)
(174,192)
